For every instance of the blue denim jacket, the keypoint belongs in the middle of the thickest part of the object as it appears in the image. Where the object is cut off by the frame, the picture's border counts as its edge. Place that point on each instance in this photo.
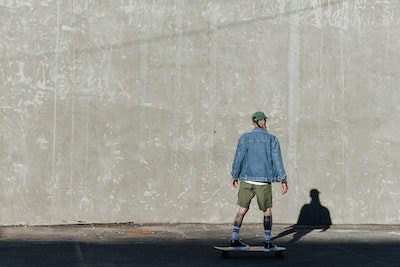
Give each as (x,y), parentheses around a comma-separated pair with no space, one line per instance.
(258,158)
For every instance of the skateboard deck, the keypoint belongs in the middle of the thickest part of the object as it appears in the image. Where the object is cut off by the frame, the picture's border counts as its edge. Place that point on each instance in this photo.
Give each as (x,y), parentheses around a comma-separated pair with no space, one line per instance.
(226,250)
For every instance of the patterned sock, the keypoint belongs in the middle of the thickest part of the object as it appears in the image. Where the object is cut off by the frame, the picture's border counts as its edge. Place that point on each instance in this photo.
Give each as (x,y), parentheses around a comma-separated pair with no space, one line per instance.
(235,233)
(267,227)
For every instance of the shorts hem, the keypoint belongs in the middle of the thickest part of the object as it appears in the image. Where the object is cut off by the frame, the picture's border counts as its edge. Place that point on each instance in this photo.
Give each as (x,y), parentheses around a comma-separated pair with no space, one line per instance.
(265,209)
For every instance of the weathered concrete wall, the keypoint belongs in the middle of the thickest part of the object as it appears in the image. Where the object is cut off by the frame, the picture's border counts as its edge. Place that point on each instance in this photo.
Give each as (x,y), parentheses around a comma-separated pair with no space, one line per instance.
(115,111)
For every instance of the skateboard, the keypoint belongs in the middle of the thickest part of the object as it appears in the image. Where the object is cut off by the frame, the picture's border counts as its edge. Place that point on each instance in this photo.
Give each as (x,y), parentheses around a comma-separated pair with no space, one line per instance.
(226,250)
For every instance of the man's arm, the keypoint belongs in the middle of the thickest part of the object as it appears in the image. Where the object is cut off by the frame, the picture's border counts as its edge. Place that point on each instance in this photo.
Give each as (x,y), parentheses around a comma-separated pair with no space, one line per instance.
(277,161)
(238,160)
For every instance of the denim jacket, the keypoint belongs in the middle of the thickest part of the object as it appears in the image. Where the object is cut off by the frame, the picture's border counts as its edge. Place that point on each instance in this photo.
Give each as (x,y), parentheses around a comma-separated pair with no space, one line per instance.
(258,158)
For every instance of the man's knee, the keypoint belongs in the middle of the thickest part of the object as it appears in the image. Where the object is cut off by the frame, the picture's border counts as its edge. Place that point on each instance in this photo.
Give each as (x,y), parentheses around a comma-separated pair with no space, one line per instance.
(242,211)
(268,212)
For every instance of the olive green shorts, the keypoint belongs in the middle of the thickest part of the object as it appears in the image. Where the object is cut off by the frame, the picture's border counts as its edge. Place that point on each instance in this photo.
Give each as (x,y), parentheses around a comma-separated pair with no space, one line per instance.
(248,191)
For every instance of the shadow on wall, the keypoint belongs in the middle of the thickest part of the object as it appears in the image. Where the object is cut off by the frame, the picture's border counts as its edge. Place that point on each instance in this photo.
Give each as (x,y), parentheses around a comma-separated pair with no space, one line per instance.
(312,216)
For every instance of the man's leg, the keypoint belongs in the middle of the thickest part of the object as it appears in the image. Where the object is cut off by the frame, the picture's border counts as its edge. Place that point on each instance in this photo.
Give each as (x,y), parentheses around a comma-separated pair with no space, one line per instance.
(268,224)
(264,199)
(238,222)
(245,195)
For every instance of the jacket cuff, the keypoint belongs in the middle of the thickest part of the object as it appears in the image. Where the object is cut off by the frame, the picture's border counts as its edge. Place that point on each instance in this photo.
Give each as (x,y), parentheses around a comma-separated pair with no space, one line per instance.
(235,175)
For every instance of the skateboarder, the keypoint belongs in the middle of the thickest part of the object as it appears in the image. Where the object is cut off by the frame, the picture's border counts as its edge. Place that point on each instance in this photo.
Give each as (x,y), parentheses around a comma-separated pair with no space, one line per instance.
(257,163)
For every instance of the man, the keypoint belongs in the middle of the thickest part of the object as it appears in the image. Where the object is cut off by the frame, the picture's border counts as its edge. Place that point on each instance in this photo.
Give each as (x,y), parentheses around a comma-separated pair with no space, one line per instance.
(256,165)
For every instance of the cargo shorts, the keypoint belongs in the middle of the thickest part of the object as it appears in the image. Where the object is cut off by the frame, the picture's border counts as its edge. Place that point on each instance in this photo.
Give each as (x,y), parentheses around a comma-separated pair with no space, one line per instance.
(248,191)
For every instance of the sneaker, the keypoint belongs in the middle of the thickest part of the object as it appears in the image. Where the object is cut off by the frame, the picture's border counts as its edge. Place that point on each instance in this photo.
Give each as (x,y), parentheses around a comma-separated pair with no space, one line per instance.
(269,246)
(237,245)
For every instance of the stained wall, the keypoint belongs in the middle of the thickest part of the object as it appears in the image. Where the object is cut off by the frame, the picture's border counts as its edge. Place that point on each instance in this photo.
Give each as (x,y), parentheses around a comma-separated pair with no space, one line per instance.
(129,111)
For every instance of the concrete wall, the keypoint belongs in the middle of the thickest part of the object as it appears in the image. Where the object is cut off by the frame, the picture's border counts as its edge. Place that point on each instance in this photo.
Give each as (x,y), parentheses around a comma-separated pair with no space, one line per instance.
(116,111)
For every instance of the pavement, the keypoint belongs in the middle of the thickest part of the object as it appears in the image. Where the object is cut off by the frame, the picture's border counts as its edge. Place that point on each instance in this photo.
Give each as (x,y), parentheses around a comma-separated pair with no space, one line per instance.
(192,245)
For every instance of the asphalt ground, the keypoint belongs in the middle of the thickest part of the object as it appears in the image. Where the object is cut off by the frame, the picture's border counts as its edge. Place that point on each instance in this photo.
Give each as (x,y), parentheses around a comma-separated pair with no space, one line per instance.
(192,245)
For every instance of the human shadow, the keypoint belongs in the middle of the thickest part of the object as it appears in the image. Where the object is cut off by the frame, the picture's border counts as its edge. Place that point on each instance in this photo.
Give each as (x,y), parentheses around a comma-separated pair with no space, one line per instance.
(312,216)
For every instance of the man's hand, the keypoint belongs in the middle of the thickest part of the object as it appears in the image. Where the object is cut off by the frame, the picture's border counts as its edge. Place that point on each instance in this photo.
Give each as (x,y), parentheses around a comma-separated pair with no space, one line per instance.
(234,183)
(284,188)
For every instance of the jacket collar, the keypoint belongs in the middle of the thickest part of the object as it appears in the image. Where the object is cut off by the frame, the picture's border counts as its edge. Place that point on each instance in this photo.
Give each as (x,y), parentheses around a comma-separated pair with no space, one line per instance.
(259,129)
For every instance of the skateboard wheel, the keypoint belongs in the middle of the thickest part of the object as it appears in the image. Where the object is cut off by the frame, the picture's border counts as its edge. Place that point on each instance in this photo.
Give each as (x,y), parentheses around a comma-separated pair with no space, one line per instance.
(225,254)
(279,254)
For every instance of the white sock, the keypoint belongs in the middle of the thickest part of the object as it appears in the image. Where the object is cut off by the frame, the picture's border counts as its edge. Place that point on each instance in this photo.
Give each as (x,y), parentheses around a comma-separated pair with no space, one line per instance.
(267,235)
(235,233)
